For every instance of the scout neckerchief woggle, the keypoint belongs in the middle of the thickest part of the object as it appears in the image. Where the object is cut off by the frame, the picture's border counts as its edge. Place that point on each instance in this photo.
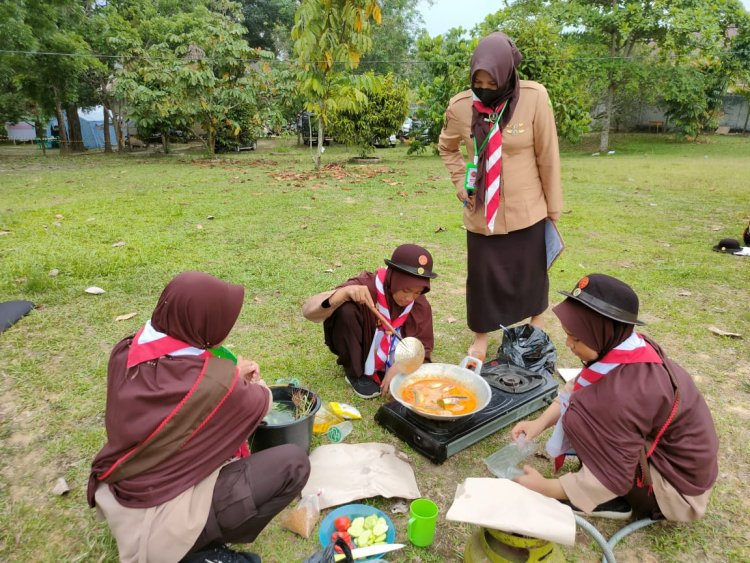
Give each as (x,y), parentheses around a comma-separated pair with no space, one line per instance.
(380,351)
(493,142)
(633,350)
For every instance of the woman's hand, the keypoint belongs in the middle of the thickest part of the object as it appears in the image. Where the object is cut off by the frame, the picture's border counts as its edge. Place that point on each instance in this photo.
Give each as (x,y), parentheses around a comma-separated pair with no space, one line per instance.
(463,197)
(385,384)
(358,294)
(532,479)
(529,427)
(249,370)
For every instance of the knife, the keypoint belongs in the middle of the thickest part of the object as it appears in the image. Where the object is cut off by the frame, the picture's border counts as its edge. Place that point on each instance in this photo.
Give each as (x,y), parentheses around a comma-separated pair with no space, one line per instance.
(362,552)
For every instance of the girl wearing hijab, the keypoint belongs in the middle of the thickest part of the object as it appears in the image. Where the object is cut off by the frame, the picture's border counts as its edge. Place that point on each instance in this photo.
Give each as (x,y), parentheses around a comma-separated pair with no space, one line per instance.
(633,417)
(175,478)
(354,334)
(510,185)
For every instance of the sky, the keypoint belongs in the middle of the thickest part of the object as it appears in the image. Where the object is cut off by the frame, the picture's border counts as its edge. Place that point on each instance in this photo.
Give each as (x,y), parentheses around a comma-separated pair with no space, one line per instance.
(446,14)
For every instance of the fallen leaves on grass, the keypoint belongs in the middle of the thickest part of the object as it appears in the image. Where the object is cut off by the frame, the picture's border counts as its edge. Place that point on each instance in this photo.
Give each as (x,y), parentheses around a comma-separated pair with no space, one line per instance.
(118,244)
(722,332)
(93,290)
(440,230)
(335,171)
(685,293)
(4,233)
(232,163)
(125,317)
(53,273)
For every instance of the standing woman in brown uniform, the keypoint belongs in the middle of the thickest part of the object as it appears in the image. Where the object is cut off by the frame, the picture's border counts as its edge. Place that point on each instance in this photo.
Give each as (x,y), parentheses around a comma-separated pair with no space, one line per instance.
(513,181)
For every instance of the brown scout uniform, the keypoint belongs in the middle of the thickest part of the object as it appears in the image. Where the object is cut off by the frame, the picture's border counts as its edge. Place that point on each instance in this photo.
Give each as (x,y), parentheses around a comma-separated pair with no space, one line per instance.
(531,187)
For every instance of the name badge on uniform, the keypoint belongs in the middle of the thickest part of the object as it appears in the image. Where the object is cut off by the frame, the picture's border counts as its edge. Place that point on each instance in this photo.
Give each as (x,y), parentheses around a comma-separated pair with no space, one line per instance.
(470,181)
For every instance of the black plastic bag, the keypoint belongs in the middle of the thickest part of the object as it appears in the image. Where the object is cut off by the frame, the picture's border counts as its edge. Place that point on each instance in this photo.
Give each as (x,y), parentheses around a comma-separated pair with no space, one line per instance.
(328,554)
(528,347)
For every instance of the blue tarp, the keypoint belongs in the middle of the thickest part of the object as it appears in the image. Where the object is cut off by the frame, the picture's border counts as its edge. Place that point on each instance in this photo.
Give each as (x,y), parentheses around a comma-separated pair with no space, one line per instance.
(92,128)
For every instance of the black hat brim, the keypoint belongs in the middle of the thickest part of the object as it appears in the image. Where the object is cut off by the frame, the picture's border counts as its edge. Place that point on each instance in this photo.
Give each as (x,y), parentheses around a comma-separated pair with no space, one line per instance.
(726,249)
(604,309)
(411,270)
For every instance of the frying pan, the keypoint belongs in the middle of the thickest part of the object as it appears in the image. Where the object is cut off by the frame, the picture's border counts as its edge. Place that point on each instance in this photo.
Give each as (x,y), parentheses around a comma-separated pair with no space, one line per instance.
(461,374)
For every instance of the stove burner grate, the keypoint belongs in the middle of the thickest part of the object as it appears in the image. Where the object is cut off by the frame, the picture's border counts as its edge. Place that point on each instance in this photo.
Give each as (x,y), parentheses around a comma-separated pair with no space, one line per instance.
(510,378)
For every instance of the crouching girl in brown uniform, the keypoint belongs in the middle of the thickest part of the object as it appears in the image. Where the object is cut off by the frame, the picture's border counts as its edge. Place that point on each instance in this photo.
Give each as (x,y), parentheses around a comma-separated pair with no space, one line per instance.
(634,418)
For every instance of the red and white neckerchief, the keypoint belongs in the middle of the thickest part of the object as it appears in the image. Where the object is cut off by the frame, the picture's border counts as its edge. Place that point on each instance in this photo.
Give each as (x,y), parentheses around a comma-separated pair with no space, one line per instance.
(380,351)
(493,161)
(632,350)
(149,344)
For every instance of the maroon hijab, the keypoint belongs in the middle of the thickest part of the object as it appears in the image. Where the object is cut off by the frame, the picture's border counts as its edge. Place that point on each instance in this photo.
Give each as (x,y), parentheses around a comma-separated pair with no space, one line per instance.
(197,405)
(198,309)
(596,331)
(497,55)
(419,322)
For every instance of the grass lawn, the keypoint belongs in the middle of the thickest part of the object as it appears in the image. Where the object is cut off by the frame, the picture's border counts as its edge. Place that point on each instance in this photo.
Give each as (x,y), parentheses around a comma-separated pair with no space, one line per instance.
(649,214)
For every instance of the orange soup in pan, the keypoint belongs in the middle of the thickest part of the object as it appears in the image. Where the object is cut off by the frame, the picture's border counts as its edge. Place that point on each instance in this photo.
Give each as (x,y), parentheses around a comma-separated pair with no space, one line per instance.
(439,395)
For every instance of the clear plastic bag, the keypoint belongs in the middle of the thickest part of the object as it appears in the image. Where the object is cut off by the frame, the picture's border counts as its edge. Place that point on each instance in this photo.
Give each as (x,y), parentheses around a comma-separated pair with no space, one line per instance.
(302,518)
(505,461)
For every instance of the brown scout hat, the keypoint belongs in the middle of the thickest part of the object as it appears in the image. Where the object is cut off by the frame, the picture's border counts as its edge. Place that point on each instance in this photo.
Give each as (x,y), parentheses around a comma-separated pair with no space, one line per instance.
(607,296)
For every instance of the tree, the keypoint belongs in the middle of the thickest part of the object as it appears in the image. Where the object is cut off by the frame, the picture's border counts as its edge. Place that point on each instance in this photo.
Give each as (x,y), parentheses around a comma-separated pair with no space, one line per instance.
(626,35)
(191,68)
(444,74)
(268,23)
(330,37)
(377,119)
(394,40)
(695,89)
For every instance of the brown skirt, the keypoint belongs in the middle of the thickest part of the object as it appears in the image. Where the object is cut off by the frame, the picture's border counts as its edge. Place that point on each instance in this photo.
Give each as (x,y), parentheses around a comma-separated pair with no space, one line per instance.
(507,278)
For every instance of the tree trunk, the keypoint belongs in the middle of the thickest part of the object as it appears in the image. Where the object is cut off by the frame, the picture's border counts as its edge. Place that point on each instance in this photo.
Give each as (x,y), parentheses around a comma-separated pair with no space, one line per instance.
(211,141)
(38,126)
(76,136)
(107,140)
(608,102)
(320,144)
(118,132)
(747,115)
(165,142)
(64,143)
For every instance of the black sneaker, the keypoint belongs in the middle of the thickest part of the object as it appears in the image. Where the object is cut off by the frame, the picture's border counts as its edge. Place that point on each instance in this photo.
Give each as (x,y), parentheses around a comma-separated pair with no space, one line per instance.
(615,509)
(221,554)
(364,386)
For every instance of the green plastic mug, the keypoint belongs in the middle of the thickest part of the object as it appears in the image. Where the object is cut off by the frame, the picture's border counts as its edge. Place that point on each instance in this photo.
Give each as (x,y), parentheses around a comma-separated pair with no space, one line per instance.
(423,515)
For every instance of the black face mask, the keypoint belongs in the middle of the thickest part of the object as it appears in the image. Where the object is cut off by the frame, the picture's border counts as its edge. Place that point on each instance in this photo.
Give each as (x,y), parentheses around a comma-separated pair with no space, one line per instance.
(488,97)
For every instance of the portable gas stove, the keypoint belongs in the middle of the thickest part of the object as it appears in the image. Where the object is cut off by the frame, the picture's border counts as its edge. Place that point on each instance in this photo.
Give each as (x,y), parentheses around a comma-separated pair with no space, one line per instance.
(516,393)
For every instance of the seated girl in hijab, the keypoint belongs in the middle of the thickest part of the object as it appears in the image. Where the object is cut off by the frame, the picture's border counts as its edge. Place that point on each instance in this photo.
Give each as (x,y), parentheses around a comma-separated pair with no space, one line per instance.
(175,478)
(351,329)
(635,419)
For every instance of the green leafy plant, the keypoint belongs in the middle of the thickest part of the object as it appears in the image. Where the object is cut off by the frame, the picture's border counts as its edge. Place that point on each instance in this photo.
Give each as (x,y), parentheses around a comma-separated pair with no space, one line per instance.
(375,120)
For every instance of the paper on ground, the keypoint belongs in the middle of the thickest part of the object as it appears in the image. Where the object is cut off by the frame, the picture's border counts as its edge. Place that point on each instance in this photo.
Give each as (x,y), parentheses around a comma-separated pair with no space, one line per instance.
(505,505)
(348,472)
(568,373)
